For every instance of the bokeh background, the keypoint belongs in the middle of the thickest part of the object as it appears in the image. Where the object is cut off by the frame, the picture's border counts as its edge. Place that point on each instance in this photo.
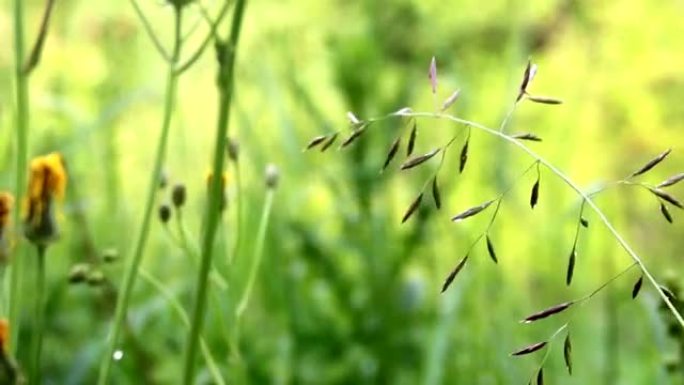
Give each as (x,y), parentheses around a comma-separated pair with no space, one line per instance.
(346,294)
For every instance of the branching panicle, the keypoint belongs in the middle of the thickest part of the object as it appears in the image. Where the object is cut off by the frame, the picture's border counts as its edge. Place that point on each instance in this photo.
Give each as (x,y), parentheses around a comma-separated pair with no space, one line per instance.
(464,126)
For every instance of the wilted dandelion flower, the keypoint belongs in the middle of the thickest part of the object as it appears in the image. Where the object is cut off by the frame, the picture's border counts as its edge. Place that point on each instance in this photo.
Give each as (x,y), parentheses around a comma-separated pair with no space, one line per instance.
(6,202)
(47,185)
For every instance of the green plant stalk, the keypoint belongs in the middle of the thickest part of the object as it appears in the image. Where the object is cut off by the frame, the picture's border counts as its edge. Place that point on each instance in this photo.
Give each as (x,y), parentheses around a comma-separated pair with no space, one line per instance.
(258,254)
(37,335)
(206,352)
(618,237)
(134,263)
(22,126)
(225,84)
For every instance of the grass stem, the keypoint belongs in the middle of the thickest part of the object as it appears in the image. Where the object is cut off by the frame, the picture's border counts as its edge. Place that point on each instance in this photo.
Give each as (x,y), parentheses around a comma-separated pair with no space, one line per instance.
(22,127)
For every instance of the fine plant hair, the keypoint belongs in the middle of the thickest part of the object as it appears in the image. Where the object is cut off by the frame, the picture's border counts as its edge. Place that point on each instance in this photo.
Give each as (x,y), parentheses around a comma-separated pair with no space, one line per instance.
(408,134)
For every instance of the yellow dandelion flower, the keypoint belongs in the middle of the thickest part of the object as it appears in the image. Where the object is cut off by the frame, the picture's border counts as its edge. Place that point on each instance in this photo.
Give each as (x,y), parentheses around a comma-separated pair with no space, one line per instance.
(47,185)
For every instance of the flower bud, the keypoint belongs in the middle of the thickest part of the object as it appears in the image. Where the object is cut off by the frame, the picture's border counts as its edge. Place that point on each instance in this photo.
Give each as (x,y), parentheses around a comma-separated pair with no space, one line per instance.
(272,176)
(164,213)
(95,278)
(110,255)
(79,273)
(178,195)
(233,149)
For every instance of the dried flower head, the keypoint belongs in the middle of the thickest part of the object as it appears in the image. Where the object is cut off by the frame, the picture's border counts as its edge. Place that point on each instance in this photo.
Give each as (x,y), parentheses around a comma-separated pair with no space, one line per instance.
(47,185)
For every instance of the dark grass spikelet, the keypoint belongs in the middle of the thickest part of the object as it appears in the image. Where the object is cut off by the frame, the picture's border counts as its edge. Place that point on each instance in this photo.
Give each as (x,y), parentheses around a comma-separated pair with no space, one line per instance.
(392,152)
(671,181)
(329,142)
(567,353)
(667,197)
(412,208)
(525,81)
(534,195)
(571,267)
(529,349)
(471,211)
(548,312)
(464,156)
(665,212)
(353,137)
(490,250)
(544,100)
(584,223)
(651,163)
(527,136)
(540,376)
(316,141)
(412,139)
(637,287)
(449,279)
(436,196)
(418,160)
(668,293)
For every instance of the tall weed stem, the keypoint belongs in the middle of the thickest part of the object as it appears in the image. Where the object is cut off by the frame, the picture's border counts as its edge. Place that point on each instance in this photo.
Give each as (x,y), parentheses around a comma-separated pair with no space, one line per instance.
(226,54)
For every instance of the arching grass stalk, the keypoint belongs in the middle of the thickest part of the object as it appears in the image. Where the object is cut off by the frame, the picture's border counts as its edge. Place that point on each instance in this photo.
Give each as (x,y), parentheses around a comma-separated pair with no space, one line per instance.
(134,262)
(37,335)
(256,258)
(183,315)
(585,197)
(226,52)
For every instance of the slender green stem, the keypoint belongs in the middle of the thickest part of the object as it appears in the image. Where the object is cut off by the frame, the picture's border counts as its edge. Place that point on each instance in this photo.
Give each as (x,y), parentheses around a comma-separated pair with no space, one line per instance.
(37,335)
(618,237)
(238,216)
(225,83)
(183,315)
(22,126)
(150,32)
(208,39)
(258,254)
(134,263)
(37,50)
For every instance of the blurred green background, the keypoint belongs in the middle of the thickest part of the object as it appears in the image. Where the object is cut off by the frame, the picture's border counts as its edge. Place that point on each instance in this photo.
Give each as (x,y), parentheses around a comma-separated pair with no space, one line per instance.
(346,294)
